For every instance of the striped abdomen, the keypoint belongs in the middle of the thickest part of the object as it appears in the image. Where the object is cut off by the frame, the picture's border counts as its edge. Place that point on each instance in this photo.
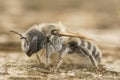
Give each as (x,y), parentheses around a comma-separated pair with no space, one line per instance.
(92,48)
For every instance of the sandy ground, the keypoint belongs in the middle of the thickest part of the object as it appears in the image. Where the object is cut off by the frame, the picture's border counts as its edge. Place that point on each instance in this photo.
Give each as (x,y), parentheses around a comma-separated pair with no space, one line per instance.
(97,19)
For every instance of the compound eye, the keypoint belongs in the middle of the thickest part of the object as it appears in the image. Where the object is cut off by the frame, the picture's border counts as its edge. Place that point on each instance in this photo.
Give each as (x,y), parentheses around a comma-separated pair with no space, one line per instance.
(73,44)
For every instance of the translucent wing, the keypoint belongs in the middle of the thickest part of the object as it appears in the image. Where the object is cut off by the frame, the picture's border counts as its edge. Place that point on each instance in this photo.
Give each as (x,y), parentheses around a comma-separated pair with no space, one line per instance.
(71,34)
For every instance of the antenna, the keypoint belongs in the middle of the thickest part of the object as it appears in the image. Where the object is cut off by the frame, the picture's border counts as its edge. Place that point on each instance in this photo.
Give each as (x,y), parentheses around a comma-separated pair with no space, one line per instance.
(21,36)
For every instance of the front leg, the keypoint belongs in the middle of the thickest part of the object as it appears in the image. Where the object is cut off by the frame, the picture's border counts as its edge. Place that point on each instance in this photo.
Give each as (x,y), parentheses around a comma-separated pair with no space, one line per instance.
(38,55)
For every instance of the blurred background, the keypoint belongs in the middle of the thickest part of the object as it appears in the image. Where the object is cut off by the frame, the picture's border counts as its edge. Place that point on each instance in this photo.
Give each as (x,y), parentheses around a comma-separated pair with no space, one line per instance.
(78,15)
(99,19)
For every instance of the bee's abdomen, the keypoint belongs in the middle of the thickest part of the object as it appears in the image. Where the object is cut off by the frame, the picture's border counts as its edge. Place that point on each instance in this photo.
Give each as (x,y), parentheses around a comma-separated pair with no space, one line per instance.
(92,48)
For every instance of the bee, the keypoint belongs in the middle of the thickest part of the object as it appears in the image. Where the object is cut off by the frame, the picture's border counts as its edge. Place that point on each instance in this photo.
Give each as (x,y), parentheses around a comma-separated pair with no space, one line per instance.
(53,37)
(82,47)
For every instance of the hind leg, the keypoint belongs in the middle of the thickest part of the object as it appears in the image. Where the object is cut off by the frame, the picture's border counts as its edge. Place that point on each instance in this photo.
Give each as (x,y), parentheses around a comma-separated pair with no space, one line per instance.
(98,57)
(89,54)
(92,59)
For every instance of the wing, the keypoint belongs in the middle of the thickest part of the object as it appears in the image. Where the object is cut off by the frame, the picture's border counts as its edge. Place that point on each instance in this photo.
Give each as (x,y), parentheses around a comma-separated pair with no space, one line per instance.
(80,35)
(76,35)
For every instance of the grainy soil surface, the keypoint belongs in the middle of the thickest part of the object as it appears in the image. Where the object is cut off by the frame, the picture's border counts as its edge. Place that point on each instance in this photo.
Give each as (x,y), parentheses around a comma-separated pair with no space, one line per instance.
(99,20)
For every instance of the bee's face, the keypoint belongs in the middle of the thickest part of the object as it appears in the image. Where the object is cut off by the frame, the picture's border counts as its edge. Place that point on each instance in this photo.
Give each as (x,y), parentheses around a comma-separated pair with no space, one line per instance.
(35,42)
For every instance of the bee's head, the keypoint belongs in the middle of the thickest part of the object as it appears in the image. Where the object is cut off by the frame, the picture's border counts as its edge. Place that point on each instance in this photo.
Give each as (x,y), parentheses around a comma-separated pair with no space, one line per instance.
(33,43)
